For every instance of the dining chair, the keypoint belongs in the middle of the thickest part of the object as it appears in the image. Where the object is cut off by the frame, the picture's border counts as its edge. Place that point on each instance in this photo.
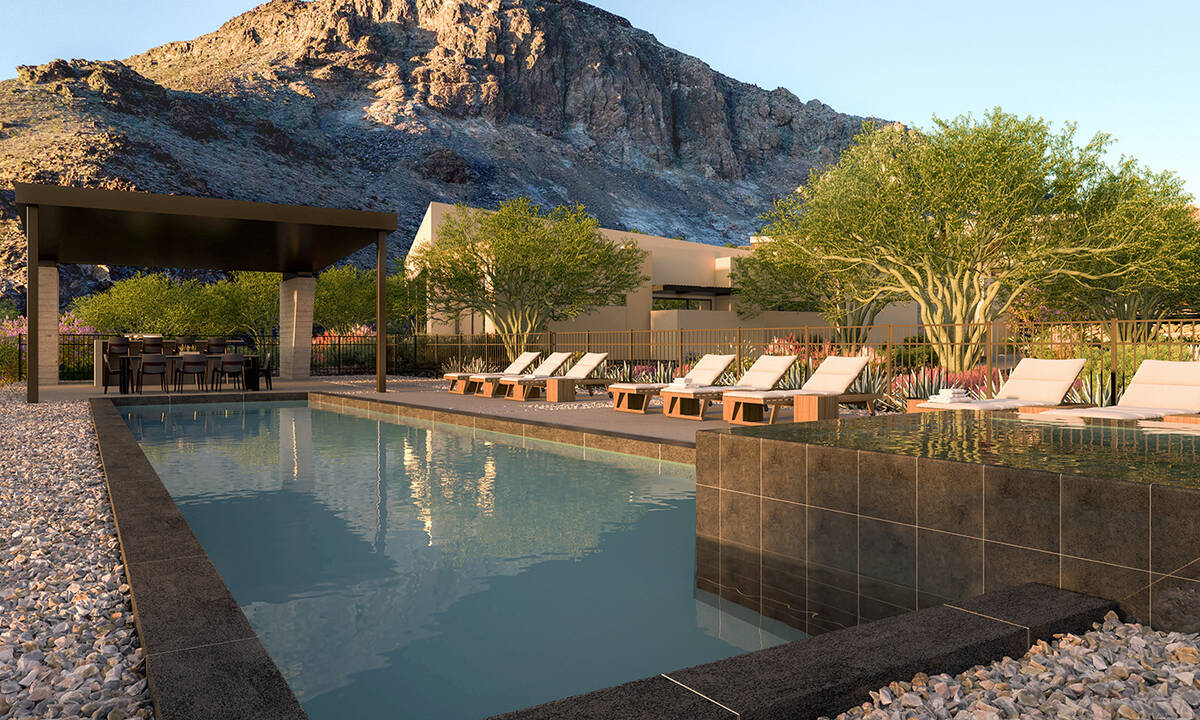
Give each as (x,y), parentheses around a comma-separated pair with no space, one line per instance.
(153,364)
(192,363)
(231,366)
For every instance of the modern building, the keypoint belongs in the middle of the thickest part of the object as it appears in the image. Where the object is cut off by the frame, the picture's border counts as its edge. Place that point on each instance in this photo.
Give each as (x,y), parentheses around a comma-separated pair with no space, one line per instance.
(689,288)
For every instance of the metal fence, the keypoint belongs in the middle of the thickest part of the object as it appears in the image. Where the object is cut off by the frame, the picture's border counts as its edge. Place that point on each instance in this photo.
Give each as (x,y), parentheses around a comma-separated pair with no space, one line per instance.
(907,360)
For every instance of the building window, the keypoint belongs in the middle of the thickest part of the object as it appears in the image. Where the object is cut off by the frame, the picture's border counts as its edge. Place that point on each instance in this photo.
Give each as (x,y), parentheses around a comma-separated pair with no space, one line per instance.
(678,303)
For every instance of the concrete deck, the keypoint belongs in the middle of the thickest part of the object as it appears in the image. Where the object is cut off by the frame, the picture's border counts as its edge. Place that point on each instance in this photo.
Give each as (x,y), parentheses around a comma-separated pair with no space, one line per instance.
(594,414)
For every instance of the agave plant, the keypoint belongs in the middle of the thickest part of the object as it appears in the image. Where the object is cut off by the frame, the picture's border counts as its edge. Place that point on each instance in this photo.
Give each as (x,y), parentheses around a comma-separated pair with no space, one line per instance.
(467,365)
(1094,387)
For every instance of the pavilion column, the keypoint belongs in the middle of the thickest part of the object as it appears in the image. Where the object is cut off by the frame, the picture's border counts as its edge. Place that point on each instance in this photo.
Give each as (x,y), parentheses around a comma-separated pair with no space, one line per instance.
(31,301)
(381,312)
(296,294)
(47,330)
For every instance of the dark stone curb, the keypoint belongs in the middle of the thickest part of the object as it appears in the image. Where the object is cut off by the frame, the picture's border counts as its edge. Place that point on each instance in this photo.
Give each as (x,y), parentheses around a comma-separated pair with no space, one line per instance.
(203,660)
(833,672)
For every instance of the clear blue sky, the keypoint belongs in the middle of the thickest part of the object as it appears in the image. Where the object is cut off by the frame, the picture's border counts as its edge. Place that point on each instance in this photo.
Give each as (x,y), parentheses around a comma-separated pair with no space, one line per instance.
(1127,68)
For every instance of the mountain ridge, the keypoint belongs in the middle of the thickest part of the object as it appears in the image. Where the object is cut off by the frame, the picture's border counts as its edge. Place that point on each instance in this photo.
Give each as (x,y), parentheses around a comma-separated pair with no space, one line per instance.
(391,104)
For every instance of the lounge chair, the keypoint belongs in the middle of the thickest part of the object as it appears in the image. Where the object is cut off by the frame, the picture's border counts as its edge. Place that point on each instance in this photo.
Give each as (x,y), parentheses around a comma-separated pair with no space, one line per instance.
(690,403)
(559,388)
(817,399)
(1159,388)
(488,384)
(635,397)
(1032,383)
(460,382)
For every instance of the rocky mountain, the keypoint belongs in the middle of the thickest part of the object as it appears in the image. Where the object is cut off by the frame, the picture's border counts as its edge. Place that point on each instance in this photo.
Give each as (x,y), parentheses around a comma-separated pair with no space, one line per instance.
(390,104)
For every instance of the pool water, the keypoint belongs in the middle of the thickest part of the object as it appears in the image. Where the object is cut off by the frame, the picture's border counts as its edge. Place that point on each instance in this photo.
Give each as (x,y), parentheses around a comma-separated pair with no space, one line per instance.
(396,570)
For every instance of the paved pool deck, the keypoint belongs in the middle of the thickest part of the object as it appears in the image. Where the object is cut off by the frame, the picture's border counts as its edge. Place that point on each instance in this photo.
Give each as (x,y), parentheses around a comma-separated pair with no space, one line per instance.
(588,414)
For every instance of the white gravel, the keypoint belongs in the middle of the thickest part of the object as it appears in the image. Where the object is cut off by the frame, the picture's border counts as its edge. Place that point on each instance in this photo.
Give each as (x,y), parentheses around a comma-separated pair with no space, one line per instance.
(1118,671)
(68,647)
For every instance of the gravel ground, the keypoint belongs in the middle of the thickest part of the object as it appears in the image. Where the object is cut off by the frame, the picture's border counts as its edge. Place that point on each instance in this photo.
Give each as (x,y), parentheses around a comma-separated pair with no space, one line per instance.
(68,647)
(1118,671)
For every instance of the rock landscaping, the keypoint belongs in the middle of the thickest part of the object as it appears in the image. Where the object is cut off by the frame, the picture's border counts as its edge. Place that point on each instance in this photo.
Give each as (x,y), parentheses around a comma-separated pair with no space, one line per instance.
(68,646)
(1119,671)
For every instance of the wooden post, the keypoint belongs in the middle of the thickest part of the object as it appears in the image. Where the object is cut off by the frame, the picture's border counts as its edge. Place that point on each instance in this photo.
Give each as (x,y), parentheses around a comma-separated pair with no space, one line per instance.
(1112,362)
(31,302)
(890,357)
(381,312)
(738,352)
(680,365)
(587,340)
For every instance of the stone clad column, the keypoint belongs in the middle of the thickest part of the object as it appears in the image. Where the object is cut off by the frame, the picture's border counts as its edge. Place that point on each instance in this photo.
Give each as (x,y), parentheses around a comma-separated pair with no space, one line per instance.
(47,330)
(295,326)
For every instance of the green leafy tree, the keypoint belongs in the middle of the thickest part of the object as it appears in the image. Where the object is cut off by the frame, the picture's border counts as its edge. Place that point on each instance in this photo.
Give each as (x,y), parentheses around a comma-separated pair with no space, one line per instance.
(521,267)
(778,276)
(151,303)
(247,303)
(344,298)
(1154,269)
(407,303)
(963,220)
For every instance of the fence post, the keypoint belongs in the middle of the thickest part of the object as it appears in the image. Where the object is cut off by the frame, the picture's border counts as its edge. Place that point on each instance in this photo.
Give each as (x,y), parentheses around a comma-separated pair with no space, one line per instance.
(629,356)
(587,340)
(738,351)
(890,358)
(1112,362)
(460,350)
(987,352)
(680,365)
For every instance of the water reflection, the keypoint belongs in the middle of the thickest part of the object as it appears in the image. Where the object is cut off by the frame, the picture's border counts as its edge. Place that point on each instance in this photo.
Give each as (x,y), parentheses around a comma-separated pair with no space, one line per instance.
(1121,450)
(464,572)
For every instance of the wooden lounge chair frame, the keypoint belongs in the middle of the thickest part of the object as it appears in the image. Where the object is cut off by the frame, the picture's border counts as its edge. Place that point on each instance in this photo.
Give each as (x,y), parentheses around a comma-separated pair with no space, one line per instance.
(637,399)
(557,388)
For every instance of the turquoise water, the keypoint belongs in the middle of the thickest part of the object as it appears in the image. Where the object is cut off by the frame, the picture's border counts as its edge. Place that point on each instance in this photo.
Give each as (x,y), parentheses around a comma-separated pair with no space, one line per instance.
(399,571)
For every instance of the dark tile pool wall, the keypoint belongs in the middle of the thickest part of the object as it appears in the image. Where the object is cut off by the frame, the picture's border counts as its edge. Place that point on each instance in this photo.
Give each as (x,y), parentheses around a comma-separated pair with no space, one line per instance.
(825,538)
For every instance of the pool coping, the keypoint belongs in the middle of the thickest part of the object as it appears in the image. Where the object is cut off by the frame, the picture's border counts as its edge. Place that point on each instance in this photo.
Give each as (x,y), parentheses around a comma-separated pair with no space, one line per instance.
(627,443)
(204,660)
(202,657)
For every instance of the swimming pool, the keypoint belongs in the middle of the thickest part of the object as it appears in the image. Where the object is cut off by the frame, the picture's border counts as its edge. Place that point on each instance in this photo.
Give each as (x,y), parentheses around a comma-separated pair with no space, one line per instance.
(418,570)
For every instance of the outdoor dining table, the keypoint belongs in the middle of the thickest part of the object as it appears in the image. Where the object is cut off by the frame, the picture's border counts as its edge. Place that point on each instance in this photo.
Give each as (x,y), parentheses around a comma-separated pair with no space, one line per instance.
(250,371)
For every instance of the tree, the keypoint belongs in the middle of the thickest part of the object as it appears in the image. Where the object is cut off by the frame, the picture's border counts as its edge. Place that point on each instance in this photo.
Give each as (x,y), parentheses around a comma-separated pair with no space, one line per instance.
(777,276)
(962,220)
(521,267)
(344,298)
(151,303)
(246,303)
(1155,269)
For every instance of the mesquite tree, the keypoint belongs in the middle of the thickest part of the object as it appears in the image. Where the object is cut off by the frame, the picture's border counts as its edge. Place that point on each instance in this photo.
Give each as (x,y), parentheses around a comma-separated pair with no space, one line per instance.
(1154,271)
(521,267)
(778,276)
(961,220)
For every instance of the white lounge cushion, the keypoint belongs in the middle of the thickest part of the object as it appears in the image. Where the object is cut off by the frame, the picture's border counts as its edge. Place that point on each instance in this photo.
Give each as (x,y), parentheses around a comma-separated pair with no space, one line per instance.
(587,365)
(713,390)
(766,371)
(1164,384)
(1041,381)
(549,366)
(774,396)
(708,368)
(1120,412)
(639,387)
(994,404)
(835,375)
(704,373)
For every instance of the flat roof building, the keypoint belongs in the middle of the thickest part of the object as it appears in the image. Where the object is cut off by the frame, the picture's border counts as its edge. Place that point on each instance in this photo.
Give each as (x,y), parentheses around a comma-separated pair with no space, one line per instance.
(688,288)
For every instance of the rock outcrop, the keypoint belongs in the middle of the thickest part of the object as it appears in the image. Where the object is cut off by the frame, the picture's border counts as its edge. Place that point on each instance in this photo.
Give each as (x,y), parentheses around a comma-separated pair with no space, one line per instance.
(389,104)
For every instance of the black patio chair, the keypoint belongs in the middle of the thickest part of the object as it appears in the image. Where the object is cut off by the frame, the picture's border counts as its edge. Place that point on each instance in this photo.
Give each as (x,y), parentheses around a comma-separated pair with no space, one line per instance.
(264,372)
(153,364)
(214,346)
(152,346)
(117,345)
(192,364)
(111,372)
(231,366)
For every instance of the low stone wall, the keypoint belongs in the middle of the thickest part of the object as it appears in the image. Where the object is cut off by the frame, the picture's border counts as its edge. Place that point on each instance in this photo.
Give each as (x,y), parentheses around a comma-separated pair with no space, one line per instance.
(824,537)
